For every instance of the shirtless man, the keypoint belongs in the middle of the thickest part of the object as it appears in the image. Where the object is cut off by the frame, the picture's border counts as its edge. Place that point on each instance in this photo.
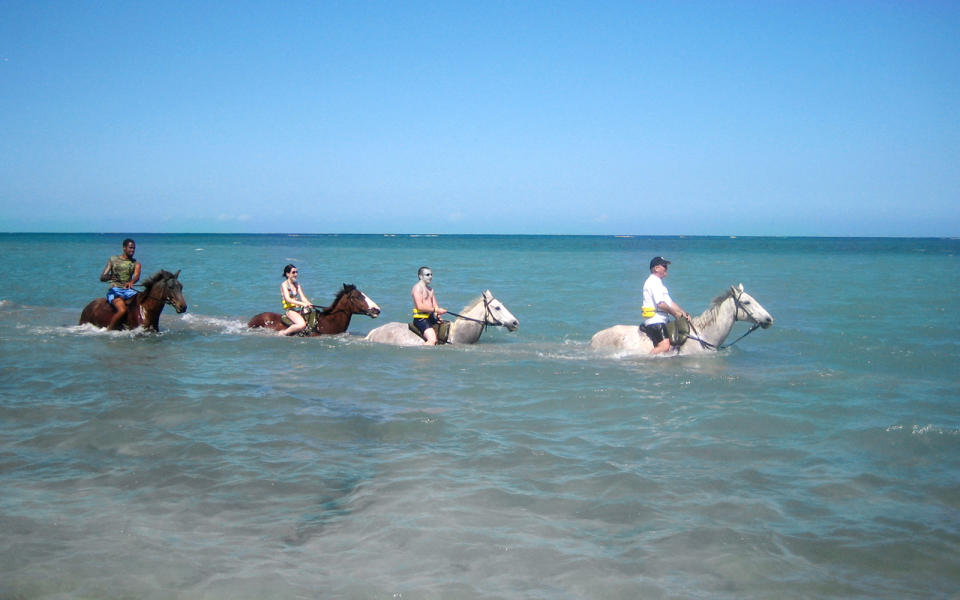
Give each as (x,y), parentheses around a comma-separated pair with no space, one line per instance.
(426,311)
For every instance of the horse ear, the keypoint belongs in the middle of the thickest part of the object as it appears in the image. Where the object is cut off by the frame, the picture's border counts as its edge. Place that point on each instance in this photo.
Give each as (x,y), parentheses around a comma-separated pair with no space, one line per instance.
(177,274)
(741,287)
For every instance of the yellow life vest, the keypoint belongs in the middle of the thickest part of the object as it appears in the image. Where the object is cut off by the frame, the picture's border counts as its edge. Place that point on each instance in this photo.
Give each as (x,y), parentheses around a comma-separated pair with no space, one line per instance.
(420,315)
(294,294)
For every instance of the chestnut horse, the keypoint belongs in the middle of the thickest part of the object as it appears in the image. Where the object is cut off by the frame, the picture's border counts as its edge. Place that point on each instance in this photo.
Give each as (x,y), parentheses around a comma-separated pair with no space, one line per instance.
(144,309)
(348,302)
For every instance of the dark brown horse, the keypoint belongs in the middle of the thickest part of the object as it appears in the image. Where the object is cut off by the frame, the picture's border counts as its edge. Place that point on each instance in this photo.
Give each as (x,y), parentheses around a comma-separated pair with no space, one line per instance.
(143,310)
(348,302)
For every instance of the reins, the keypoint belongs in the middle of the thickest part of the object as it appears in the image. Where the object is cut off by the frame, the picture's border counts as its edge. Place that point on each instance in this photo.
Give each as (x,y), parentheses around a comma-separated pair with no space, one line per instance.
(706,344)
(486,312)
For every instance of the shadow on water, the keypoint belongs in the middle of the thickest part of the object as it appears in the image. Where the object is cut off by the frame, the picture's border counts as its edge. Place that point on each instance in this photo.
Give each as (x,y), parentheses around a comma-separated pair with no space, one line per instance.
(336,502)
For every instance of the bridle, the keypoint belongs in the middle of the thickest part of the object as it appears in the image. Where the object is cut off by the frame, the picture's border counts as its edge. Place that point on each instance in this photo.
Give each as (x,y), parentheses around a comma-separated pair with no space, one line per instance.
(488,317)
(738,305)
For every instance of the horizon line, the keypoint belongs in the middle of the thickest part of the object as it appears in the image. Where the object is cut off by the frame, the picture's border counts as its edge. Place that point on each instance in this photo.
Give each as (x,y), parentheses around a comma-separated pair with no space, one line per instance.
(407,234)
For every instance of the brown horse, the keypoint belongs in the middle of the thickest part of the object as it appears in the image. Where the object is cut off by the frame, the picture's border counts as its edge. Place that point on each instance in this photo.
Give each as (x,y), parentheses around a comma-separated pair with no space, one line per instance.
(143,310)
(348,302)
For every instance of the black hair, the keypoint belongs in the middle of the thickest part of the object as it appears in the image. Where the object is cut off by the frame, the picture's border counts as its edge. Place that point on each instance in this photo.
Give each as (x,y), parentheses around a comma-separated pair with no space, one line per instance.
(287,269)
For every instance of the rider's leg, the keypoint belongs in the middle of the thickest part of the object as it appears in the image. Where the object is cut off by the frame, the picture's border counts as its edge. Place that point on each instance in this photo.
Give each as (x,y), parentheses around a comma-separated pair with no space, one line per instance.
(120,306)
(298,323)
(430,337)
(663,346)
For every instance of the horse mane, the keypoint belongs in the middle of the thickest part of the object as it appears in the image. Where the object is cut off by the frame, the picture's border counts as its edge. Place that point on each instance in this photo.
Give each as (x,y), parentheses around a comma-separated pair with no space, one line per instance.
(158,276)
(473,303)
(716,301)
(710,315)
(347,288)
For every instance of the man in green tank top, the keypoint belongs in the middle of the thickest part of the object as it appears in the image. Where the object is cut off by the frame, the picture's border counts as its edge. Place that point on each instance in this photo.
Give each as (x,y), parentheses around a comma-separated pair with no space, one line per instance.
(122,271)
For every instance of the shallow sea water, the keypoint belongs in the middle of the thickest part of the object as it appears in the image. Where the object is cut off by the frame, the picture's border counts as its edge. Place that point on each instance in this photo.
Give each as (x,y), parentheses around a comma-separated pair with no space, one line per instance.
(817,459)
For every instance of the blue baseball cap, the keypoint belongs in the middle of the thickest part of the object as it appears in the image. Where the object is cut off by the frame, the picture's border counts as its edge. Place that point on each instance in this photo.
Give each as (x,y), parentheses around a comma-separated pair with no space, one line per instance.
(659,260)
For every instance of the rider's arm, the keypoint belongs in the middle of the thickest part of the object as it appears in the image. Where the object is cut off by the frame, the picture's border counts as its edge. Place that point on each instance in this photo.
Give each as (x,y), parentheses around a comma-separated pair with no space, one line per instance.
(674,309)
(107,272)
(136,276)
(306,301)
(436,307)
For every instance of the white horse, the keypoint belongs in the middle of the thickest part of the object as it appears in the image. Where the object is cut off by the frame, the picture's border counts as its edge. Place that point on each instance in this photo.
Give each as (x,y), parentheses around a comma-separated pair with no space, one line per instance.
(485,310)
(706,334)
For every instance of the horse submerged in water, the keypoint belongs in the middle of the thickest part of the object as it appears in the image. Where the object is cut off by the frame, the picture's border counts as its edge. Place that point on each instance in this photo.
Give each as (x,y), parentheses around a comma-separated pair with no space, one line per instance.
(143,310)
(335,319)
(707,331)
(466,329)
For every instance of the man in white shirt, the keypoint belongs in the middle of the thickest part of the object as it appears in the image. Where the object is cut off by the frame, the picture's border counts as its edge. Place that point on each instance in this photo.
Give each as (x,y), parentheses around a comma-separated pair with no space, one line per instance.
(657,305)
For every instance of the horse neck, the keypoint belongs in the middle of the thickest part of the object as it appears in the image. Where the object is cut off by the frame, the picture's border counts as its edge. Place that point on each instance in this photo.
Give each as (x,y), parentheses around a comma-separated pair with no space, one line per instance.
(149,306)
(715,323)
(465,331)
(337,319)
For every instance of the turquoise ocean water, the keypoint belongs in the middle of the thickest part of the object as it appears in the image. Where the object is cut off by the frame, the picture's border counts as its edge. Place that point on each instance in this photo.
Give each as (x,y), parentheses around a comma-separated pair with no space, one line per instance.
(817,459)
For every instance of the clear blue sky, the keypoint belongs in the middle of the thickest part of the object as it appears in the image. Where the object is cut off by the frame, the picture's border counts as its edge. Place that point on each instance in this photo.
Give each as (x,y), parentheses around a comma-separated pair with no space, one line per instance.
(725,118)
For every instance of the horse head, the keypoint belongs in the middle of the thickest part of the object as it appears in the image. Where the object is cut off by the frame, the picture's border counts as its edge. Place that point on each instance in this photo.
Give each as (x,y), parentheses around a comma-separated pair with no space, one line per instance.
(495,313)
(749,309)
(166,287)
(359,303)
